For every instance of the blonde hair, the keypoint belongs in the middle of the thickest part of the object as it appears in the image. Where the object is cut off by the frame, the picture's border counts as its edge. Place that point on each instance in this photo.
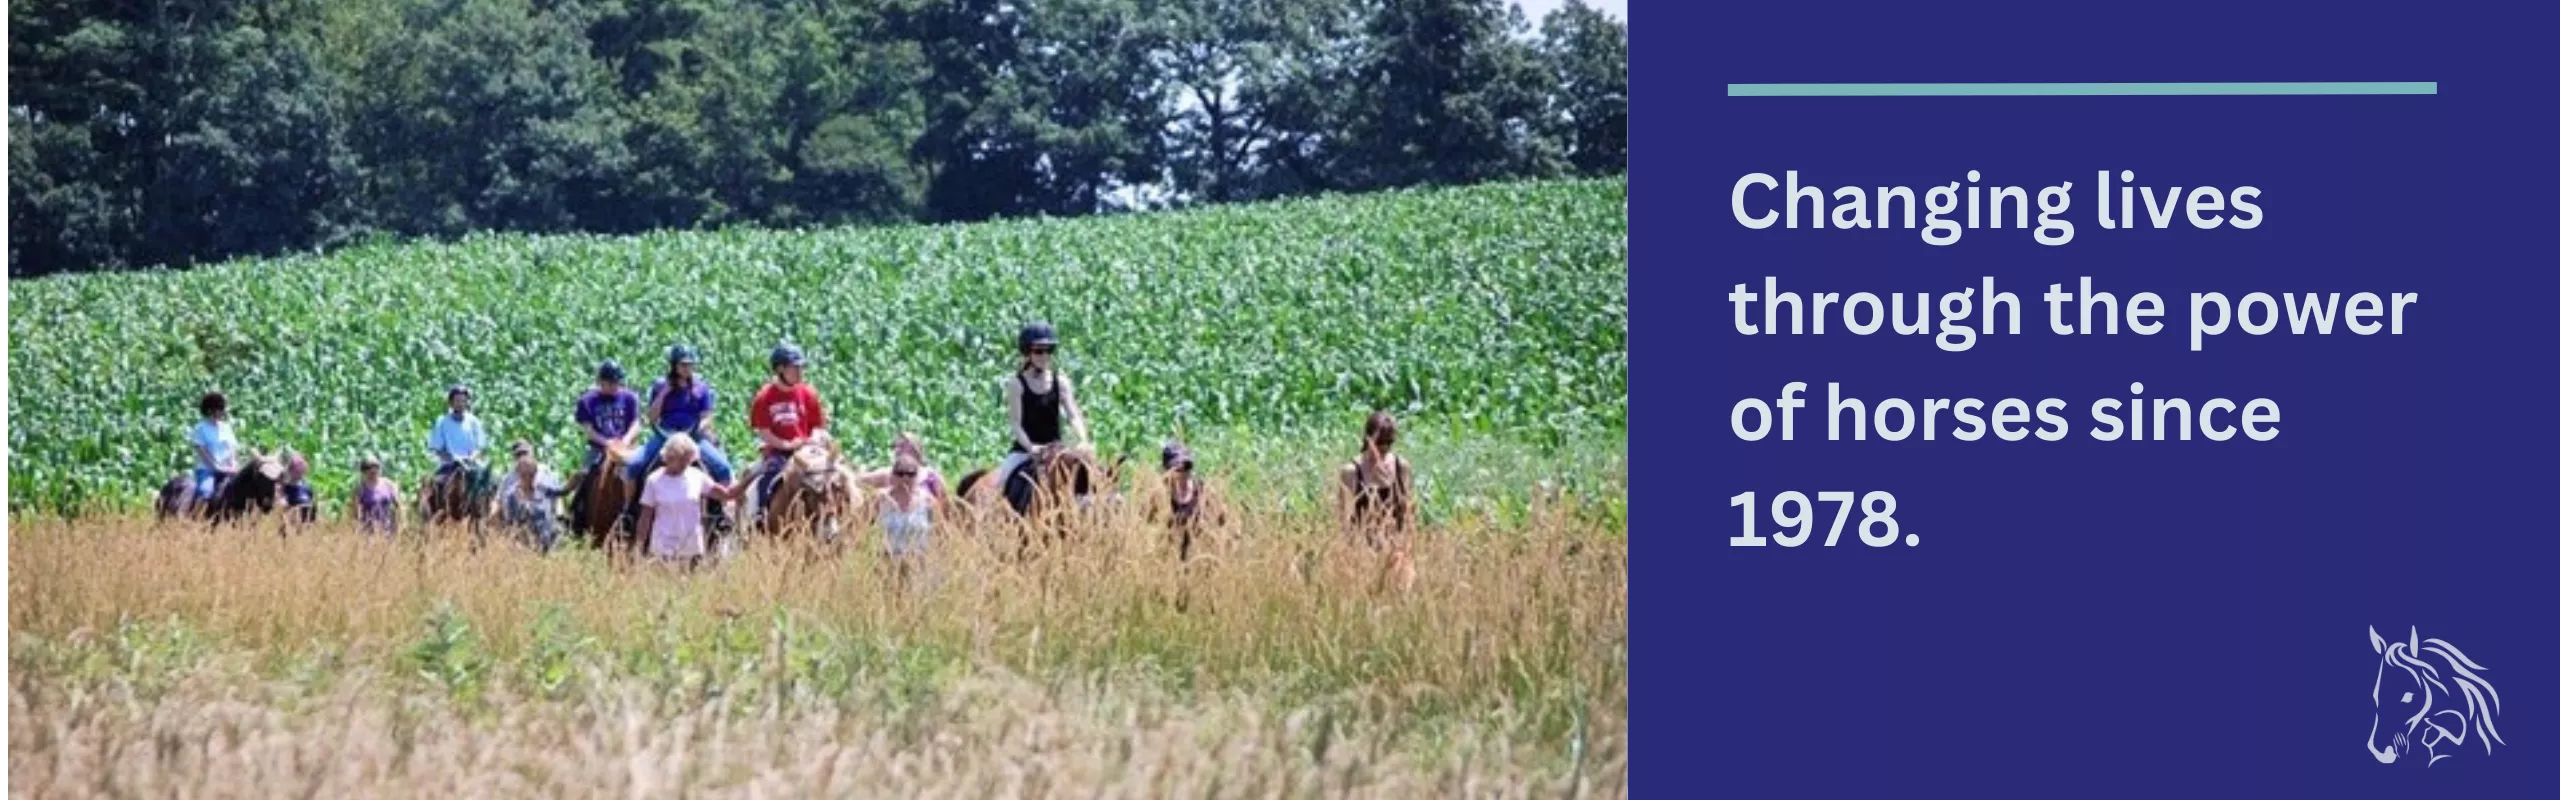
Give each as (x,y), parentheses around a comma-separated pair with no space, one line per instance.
(680,443)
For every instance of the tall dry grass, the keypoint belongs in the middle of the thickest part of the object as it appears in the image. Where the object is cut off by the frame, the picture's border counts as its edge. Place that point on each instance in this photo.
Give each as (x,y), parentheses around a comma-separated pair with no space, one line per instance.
(326,663)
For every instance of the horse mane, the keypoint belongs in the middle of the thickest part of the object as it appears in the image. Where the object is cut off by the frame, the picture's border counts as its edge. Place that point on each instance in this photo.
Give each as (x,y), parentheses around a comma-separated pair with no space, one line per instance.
(2481,704)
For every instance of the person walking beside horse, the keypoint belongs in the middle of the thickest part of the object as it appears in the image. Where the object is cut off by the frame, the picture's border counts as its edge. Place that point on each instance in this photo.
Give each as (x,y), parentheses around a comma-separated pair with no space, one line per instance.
(927,478)
(526,499)
(375,503)
(1375,501)
(1189,509)
(673,500)
(905,511)
(293,494)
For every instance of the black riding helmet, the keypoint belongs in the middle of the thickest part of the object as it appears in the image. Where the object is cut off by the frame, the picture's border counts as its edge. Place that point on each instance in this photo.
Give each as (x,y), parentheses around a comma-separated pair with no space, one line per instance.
(609,371)
(786,355)
(681,354)
(1034,335)
(457,389)
(212,403)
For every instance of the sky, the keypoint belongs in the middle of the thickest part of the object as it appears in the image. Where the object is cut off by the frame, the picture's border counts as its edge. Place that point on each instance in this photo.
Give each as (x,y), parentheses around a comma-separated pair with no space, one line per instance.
(1537,9)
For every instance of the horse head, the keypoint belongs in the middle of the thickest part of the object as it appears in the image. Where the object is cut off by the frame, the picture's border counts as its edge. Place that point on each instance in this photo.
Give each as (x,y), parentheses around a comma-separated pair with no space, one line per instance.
(2440,692)
(815,485)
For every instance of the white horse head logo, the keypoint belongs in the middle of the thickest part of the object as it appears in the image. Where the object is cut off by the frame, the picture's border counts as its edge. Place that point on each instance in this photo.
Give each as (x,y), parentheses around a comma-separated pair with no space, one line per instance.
(2414,689)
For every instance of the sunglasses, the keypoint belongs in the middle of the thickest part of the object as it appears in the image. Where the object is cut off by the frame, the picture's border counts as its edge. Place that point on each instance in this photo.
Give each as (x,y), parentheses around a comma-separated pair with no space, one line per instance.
(903,474)
(1042,351)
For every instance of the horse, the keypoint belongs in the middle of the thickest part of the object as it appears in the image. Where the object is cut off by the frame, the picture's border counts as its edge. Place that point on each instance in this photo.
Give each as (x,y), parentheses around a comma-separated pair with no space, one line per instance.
(253,486)
(606,489)
(1055,481)
(814,495)
(2421,683)
(467,494)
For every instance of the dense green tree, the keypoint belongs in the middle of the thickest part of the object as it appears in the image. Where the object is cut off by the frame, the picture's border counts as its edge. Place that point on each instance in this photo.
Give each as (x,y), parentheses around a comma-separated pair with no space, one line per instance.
(147,132)
(1588,52)
(1451,93)
(1046,109)
(486,114)
(1255,85)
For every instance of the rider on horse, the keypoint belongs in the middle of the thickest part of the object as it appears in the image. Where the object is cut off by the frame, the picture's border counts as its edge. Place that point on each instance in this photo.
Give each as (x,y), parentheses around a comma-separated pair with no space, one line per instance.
(457,440)
(1039,402)
(608,414)
(681,402)
(217,450)
(786,415)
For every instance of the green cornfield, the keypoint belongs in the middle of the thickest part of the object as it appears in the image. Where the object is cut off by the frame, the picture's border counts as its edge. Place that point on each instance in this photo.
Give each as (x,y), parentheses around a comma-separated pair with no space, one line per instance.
(1491,319)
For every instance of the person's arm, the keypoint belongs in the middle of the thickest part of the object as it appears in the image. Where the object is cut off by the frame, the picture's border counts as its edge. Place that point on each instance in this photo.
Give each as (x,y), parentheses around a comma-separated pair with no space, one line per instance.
(657,403)
(1075,414)
(436,444)
(1346,489)
(648,505)
(702,424)
(724,492)
(1013,412)
(760,420)
(587,422)
(817,414)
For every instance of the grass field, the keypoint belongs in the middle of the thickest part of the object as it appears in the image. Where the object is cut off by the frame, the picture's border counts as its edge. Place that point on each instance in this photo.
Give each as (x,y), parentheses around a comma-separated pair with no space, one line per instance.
(328,665)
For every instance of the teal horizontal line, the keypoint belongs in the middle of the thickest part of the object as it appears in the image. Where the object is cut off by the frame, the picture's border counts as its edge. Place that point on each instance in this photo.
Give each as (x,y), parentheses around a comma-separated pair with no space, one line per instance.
(2070,89)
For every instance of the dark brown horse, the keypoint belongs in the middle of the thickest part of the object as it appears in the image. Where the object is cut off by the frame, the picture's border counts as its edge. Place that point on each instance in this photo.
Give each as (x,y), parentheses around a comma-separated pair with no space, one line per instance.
(253,488)
(1046,492)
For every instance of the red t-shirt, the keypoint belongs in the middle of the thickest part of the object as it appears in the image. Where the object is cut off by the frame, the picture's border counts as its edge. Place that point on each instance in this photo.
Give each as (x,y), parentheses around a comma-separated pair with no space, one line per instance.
(791,412)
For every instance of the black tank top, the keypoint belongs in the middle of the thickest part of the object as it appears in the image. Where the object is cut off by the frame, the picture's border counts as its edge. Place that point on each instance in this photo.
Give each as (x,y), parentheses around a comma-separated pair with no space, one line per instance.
(1039,412)
(1381,501)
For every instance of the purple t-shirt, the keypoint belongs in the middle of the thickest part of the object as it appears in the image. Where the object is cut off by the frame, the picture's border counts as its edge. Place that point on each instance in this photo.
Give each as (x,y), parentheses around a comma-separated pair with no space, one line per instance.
(686,409)
(611,414)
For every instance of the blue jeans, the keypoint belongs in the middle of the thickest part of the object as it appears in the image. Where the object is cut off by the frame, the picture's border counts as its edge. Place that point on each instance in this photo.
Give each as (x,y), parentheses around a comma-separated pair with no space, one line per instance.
(713,461)
(205,480)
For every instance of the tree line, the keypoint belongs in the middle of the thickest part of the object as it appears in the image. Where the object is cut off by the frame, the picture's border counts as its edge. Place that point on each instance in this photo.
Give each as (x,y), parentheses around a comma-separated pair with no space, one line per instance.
(176,132)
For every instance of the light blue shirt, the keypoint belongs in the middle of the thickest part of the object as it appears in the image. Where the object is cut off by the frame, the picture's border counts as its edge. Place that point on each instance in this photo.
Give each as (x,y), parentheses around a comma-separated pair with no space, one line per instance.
(458,439)
(216,439)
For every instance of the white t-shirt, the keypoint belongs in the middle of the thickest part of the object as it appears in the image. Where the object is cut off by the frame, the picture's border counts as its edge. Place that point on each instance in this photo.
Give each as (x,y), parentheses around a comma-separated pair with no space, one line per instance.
(676,530)
(216,439)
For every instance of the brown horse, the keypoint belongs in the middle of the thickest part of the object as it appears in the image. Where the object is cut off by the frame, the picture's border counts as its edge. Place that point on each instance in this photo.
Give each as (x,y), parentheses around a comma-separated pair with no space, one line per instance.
(813,497)
(1044,492)
(468,494)
(607,489)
